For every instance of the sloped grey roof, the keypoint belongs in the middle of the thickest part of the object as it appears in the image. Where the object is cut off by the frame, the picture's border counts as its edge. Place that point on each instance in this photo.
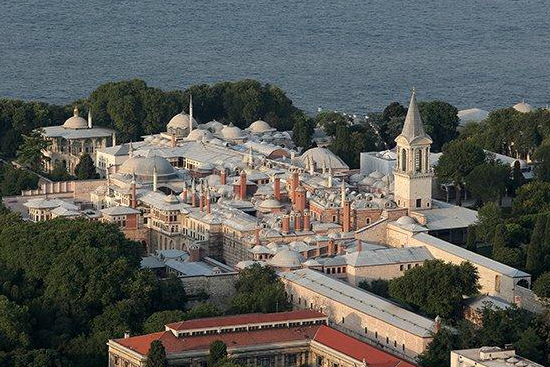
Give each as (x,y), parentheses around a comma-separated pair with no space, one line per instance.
(361,301)
(470,256)
(413,128)
(119,210)
(388,256)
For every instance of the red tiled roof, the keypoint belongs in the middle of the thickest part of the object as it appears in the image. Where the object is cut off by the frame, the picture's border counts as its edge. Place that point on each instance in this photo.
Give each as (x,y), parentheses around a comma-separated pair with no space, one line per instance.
(357,349)
(223,321)
(174,345)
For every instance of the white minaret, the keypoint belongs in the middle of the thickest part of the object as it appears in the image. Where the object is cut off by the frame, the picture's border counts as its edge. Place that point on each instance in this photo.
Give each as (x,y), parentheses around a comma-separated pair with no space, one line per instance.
(190,112)
(130,150)
(155,178)
(413,174)
(90,118)
(311,165)
(343,192)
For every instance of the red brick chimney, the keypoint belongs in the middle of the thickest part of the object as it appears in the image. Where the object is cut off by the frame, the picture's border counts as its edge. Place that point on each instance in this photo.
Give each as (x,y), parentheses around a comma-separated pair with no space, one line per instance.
(133,201)
(331,247)
(201,201)
(277,188)
(294,183)
(346,217)
(208,204)
(300,199)
(194,253)
(243,185)
(194,199)
(222,177)
(307,221)
(297,222)
(285,224)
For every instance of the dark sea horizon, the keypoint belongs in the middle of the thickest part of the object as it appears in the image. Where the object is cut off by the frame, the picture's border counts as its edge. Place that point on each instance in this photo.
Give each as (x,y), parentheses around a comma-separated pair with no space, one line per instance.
(352,56)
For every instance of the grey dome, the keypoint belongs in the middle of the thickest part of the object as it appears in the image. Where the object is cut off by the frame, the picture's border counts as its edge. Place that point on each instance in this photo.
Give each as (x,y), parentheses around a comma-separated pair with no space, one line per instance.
(287,259)
(181,121)
(144,167)
(75,121)
(405,220)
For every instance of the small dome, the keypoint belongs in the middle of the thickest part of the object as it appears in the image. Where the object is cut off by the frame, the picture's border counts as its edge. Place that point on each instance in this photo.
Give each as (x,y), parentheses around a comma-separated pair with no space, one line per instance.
(199,135)
(145,166)
(270,204)
(180,121)
(312,263)
(214,125)
(171,199)
(376,175)
(367,181)
(232,132)
(287,259)
(75,121)
(405,220)
(323,157)
(260,127)
(523,107)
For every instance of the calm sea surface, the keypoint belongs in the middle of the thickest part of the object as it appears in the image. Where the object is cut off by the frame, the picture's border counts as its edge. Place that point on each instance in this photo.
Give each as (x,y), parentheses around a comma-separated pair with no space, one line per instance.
(348,55)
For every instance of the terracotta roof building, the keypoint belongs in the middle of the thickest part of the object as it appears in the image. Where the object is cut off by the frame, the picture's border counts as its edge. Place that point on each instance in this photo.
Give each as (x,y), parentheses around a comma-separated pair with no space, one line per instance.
(295,338)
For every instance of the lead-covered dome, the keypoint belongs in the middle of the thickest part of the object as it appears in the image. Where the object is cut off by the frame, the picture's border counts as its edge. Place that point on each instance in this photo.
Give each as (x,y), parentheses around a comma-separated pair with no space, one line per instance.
(181,120)
(323,157)
(144,166)
(199,135)
(260,126)
(232,132)
(523,107)
(75,121)
(287,259)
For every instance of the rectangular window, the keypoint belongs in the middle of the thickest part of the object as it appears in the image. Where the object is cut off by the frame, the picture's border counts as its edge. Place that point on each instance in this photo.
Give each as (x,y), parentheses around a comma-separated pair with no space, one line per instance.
(418,203)
(401,267)
(319,361)
(366,330)
(343,320)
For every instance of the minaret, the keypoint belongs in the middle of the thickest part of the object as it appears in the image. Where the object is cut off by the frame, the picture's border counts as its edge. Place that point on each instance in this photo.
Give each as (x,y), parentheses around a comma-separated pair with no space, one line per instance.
(343,192)
(90,118)
(190,113)
(130,150)
(413,175)
(155,178)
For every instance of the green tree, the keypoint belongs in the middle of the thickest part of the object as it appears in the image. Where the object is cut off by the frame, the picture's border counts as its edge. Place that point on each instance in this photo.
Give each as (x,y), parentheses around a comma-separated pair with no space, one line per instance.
(534,262)
(423,286)
(459,158)
(471,239)
(517,178)
(532,198)
(217,352)
(440,121)
(14,180)
(30,153)
(85,169)
(302,132)
(530,345)
(438,353)
(377,286)
(15,325)
(488,181)
(259,289)
(541,286)
(330,121)
(489,217)
(156,357)
(156,321)
(542,162)
(203,310)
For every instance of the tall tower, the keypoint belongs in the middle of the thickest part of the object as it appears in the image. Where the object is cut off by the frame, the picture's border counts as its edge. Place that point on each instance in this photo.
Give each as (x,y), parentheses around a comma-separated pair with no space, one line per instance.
(413,175)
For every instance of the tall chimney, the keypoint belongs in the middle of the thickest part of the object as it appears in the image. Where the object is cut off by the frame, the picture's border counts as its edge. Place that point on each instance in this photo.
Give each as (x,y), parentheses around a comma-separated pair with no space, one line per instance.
(194,252)
(201,201)
(208,203)
(297,222)
(294,185)
(243,185)
(307,221)
(346,217)
(300,199)
(222,177)
(277,188)
(331,247)
(285,226)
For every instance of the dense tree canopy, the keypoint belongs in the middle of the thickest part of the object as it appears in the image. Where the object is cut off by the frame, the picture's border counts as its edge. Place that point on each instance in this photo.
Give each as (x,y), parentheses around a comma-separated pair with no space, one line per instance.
(259,289)
(440,121)
(217,352)
(13,180)
(422,287)
(458,160)
(302,132)
(75,284)
(488,181)
(157,355)
(30,153)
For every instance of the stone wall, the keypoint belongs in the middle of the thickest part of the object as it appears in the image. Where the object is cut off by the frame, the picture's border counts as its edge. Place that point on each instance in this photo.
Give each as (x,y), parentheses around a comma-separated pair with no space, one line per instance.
(219,287)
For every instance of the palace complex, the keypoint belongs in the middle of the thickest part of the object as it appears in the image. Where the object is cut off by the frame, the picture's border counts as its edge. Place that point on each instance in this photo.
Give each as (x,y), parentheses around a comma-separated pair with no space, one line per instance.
(206,200)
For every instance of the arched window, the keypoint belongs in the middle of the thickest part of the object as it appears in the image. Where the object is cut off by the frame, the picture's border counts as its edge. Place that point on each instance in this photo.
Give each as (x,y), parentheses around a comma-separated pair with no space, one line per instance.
(403,160)
(418,160)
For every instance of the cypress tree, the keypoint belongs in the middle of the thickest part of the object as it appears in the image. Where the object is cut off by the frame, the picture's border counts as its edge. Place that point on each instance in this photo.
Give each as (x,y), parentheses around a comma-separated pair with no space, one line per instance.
(535,257)
(156,357)
(471,239)
(85,169)
(500,238)
(218,351)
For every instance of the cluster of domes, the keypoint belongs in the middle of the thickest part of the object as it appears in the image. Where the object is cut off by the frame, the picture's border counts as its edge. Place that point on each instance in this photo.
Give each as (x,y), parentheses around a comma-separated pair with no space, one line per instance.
(145,166)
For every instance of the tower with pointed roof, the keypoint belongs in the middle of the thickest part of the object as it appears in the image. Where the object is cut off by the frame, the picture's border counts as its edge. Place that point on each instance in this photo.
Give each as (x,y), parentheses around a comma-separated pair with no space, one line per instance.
(413,175)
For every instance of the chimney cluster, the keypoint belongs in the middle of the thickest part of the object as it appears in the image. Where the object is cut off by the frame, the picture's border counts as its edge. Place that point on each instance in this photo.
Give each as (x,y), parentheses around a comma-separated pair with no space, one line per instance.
(243,185)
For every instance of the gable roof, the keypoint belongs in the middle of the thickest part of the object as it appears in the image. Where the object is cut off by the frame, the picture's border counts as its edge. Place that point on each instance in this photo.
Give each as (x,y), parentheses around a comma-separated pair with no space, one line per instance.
(357,349)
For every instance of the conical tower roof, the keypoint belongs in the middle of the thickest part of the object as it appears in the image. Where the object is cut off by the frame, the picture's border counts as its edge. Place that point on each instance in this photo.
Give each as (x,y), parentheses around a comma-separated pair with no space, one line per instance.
(414,127)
